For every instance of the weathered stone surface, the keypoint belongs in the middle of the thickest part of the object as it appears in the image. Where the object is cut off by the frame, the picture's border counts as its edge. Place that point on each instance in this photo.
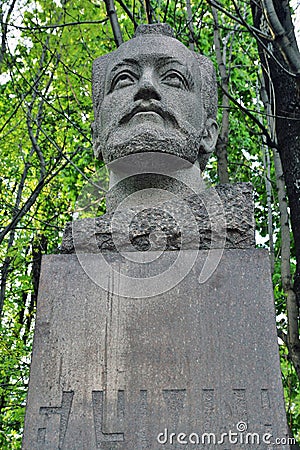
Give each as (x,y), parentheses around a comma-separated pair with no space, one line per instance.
(227,209)
(110,372)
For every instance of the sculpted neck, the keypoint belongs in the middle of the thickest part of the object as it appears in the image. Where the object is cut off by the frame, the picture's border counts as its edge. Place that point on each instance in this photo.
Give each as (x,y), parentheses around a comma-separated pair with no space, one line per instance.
(146,189)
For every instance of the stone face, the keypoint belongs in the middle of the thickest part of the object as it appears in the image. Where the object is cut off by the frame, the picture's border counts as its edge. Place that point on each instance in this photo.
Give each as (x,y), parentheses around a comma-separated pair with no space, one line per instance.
(114,372)
(219,217)
(153,94)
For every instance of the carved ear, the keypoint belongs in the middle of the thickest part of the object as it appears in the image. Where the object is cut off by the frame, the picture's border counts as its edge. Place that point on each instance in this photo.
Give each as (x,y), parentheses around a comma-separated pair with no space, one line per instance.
(210,136)
(96,146)
(208,142)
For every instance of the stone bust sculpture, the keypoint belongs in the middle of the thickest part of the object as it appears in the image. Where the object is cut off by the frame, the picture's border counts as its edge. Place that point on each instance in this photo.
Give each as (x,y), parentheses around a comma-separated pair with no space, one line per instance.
(153,95)
(155,105)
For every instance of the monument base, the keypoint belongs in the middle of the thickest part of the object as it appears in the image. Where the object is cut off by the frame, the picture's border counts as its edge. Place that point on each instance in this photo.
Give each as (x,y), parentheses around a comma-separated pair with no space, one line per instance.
(194,367)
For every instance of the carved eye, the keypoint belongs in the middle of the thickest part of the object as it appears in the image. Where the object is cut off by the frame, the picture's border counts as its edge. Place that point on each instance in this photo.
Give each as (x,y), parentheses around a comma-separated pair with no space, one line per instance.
(175,79)
(123,79)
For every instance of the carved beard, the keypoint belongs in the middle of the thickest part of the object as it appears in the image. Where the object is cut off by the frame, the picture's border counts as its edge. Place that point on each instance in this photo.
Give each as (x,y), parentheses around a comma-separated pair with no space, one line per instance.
(183,142)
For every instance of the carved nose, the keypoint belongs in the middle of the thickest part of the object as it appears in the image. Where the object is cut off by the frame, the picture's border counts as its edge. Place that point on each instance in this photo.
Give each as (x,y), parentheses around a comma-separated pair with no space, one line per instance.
(147,91)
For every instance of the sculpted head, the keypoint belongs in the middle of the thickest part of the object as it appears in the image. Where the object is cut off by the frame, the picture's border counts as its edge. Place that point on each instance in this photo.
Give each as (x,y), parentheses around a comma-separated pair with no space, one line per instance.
(153,94)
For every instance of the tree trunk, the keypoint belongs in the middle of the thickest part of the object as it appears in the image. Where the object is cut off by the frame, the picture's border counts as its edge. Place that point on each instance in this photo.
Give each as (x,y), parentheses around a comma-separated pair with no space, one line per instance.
(282,76)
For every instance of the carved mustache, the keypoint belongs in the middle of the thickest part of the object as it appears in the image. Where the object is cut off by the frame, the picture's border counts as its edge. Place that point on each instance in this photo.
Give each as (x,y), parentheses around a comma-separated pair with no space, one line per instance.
(149,107)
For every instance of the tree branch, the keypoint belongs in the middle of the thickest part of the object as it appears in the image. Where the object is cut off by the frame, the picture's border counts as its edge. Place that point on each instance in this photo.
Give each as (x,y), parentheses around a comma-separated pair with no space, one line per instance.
(111,12)
(58,25)
(259,35)
(30,201)
(265,132)
(148,11)
(221,147)
(190,25)
(128,12)
(291,54)
(4,29)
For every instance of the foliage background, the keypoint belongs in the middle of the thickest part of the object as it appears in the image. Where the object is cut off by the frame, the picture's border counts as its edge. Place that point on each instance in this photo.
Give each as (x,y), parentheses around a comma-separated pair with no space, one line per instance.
(46,152)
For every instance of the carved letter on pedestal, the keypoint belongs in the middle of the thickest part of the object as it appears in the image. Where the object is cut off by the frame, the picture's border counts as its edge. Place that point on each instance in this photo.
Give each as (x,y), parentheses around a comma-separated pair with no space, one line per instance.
(208,398)
(174,400)
(64,412)
(240,405)
(266,407)
(98,407)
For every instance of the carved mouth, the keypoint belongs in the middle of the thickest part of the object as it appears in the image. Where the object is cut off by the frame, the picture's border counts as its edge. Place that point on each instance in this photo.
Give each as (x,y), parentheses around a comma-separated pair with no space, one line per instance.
(149,111)
(147,117)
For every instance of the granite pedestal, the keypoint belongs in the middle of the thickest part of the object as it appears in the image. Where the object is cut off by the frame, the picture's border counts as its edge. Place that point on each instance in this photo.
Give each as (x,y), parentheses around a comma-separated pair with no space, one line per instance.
(196,366)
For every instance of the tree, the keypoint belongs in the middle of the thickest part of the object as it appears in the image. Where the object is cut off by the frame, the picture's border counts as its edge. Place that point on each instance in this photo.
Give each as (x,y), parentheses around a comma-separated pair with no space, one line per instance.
(281,71)
(47,49)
